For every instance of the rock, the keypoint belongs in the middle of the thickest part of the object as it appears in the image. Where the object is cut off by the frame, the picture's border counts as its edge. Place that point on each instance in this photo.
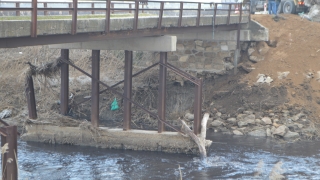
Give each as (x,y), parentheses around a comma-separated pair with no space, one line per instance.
(238,133)
(258,121)
(275,125)
(189,116)
(275,120)
(290,135)
(241,117)
(218,114)
(283,75)
(242,123)
(255,59)
(264,79)
(216,123)
(273,129)
(258,133)
(5,113)
(281,130)
(298,116)
(251,116)
(266,121)
(232,120)
(300,126)
(268,131)
(251,121)
(250,51)
(248,112)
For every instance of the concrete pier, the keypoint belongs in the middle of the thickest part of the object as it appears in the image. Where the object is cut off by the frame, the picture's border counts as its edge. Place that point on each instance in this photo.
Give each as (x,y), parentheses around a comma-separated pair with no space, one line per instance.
(87,135)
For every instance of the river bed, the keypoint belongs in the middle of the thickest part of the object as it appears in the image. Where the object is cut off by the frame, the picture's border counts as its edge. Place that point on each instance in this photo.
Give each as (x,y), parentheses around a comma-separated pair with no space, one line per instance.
(229,157)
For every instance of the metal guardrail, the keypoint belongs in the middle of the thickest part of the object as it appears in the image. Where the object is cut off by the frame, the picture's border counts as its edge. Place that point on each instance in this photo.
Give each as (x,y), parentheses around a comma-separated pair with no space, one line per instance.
(233,8)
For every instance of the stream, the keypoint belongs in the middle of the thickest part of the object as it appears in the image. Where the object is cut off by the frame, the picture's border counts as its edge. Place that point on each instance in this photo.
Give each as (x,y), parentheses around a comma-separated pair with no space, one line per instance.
(229,157)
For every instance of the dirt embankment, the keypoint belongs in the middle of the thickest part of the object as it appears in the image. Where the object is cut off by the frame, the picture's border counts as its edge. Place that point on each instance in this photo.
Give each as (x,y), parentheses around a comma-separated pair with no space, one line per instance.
(276,92)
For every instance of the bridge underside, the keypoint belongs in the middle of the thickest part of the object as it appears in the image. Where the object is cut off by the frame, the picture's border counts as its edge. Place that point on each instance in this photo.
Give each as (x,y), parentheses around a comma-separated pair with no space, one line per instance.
(162,44)
(14,42)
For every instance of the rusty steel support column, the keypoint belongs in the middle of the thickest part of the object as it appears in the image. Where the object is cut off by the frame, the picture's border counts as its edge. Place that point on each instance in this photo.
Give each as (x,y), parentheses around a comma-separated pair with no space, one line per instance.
(162,91)
(64,91)
(127,90)
(197,108)
(95,88)
(11,166)
(4,158)
(31,100)
(34,18)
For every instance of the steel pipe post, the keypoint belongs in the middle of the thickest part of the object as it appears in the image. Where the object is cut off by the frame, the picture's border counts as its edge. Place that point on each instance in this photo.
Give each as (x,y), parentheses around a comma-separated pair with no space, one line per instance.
(162,91)
(31,100)
(95,88)
(17,6)
(4,158)
(197,108)
(34,18)
(12,154)
(127,90)
(64,91)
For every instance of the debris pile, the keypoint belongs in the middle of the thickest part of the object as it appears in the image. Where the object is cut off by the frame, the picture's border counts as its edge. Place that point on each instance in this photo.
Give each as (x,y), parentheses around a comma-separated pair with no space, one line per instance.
(314,12)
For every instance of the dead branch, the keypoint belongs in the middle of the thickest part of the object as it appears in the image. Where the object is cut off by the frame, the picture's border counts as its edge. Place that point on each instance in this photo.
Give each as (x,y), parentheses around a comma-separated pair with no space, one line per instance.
(200,141)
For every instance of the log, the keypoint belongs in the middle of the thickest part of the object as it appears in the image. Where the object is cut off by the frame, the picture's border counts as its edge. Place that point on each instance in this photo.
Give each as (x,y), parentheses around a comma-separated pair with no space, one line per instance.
(201,140)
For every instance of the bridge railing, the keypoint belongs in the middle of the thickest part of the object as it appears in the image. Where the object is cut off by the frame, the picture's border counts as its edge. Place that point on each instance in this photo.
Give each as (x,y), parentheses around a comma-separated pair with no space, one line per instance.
(108,7)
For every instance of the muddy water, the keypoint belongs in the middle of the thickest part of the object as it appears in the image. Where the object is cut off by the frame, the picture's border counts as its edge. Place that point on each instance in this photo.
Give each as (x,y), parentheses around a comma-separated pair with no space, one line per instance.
(229,158)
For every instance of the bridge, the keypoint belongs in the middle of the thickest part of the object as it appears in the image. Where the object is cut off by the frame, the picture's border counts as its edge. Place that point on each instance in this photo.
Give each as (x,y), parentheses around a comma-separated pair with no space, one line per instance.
(130,25)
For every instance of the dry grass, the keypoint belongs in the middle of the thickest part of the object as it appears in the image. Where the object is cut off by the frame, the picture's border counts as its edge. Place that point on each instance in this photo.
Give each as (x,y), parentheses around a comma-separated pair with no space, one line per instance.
(44,67)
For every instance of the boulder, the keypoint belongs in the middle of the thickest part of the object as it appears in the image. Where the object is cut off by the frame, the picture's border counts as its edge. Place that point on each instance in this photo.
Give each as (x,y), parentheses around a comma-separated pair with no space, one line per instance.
(258,133)
(266,121)
(242,124)
(258,121)
(290,135)
(237,132)
(189,116)
(281,130)
(232,120)
(216,123)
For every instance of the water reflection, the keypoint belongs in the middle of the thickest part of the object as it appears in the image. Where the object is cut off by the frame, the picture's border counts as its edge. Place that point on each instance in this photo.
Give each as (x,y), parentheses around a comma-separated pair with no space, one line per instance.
(229,157)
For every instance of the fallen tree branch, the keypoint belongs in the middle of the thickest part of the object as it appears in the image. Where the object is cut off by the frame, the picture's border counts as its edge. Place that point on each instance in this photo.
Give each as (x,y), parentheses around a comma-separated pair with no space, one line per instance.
(200,141)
